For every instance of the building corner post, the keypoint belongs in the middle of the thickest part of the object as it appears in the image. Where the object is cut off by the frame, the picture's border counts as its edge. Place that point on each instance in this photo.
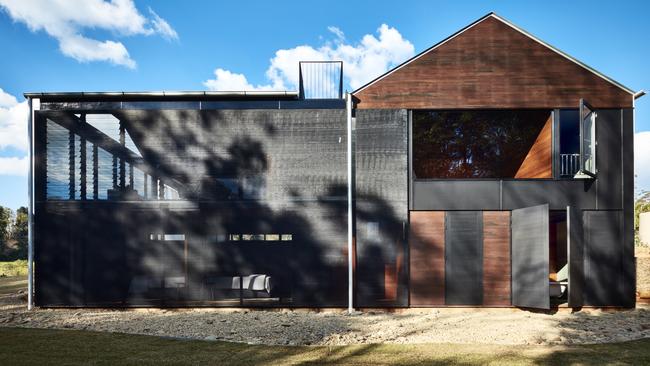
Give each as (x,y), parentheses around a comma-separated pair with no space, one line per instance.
(30,209)
(348,104)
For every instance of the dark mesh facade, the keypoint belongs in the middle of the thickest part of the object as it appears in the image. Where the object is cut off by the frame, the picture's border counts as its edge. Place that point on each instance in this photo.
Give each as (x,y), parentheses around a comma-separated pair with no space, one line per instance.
(381,207)
(190,207)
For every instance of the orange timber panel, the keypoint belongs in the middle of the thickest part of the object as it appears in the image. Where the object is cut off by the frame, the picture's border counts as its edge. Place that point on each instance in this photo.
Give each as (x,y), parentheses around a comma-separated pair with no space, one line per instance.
(496,258)
(427,258)
(538,161)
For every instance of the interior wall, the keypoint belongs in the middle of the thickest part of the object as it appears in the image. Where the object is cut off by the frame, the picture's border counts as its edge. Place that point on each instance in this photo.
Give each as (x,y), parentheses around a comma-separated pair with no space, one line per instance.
(538,163)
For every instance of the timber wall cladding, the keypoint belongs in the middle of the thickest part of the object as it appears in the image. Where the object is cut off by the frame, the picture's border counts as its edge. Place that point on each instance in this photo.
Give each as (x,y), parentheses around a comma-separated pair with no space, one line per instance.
(496,258)
(538,161)
(427,258)
(491,65)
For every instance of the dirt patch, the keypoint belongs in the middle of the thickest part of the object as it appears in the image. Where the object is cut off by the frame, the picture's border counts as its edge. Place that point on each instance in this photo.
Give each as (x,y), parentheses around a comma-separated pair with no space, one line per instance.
(484,326)
(335,327)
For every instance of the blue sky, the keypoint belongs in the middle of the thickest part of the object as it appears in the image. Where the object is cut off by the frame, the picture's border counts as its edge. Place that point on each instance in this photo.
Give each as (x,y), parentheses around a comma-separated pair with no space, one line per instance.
(179,45)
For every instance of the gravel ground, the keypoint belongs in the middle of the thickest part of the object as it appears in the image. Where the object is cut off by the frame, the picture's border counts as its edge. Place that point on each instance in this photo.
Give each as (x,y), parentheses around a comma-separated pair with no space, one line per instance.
(452,325)
(302,327)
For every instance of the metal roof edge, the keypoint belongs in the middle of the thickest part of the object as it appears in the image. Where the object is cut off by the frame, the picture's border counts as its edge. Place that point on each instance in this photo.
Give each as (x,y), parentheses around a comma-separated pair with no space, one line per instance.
(163,94)
(639,94)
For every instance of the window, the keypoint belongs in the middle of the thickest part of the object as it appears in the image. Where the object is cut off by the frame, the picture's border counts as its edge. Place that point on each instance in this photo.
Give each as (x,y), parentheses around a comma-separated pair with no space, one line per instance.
(258,237)
(587,139)
(569,142)
(482,144)
(578,142)
(167,237)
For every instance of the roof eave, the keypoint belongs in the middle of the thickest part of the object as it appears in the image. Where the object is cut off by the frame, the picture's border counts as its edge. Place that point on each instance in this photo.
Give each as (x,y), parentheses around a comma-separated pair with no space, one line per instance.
(163,95)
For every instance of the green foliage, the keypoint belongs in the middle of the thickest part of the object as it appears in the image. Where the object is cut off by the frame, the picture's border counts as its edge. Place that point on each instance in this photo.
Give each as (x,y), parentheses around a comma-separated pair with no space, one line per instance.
(20,233)
(13,234)
(5,229)
(14,268)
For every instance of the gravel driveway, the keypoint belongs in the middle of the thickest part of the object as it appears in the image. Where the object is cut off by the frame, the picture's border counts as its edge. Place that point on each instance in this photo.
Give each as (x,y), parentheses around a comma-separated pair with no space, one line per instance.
(451,325)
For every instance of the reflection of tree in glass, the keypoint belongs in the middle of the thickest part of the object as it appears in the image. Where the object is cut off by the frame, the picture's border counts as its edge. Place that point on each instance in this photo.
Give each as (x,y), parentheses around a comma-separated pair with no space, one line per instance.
(473,144)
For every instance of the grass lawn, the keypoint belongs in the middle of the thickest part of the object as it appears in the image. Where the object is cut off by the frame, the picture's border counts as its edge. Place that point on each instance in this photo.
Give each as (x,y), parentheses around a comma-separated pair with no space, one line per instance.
(14,268)
(13,284)
(72,347)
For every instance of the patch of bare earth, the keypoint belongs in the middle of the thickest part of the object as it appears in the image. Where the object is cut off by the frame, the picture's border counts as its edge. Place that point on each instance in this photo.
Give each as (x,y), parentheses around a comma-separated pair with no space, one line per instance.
(335,327)
(484,326)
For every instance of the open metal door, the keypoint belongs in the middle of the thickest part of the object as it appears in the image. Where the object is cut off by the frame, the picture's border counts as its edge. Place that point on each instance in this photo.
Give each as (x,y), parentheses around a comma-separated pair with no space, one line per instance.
(587,141)
(530,257)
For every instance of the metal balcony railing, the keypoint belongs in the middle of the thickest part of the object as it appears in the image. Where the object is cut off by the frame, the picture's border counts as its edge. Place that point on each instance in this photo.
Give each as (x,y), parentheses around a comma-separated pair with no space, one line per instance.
(569,164)
(321,79)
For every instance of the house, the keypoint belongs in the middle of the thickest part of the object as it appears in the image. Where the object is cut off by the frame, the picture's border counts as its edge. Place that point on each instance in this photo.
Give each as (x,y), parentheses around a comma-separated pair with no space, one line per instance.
(489,170)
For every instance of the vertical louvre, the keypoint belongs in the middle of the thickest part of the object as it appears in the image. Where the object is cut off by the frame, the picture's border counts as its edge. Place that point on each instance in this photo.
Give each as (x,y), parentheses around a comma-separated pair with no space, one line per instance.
(104,173)
(530,257)
(463,258)
(57,162)
(603,258)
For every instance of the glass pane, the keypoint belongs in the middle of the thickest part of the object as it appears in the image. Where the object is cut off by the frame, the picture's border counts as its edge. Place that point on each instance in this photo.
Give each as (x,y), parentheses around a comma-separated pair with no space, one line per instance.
(589,146)
(58,163)
(477,144)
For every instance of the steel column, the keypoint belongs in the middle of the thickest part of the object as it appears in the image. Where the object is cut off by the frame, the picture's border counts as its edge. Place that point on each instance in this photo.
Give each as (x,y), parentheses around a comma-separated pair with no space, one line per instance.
(348,104)
(34,104)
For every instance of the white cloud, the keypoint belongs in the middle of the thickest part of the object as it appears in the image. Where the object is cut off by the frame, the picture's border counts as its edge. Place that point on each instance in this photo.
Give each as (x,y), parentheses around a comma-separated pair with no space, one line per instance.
(337,32)
(14,166)
(7,100)
(161,26)
(65,20)
(85,49)
(13,134)
(642,161)
(225,80)
(362,62)
(13,122)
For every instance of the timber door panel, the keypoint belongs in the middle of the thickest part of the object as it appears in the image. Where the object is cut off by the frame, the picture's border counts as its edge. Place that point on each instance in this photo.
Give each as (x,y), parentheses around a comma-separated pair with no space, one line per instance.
(496,258)
(427,258)
(530,257)
(464,258)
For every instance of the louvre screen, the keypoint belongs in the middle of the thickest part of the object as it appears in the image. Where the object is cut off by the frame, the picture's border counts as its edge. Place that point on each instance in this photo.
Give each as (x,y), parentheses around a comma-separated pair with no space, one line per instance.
(381,186)
(191,208)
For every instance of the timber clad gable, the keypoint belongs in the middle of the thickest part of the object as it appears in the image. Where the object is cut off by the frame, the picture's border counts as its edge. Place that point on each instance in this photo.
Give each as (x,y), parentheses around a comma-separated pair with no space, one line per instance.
(490,65)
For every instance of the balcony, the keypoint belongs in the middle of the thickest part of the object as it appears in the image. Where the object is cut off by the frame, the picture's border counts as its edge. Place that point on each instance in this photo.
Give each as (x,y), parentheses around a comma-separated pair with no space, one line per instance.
(569,165)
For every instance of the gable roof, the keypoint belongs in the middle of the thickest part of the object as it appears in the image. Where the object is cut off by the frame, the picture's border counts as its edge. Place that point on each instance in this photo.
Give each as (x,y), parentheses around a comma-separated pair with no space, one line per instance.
(503,20)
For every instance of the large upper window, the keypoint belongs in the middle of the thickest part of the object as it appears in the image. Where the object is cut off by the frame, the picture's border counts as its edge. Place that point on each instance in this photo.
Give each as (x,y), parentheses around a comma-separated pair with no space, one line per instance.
(482,144)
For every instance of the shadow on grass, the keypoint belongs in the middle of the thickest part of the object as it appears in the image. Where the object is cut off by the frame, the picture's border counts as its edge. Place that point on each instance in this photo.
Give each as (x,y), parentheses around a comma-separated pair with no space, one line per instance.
(38,347)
